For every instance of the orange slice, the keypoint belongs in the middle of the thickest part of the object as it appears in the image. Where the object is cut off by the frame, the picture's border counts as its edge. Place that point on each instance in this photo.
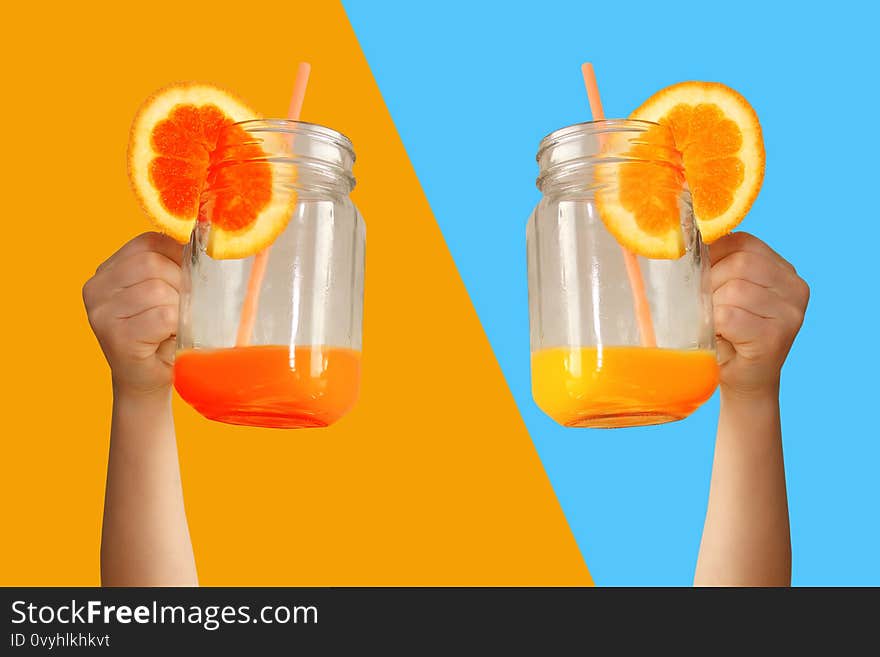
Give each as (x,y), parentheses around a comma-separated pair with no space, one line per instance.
(176,137)
(719,136)
(639,191)
(722,158)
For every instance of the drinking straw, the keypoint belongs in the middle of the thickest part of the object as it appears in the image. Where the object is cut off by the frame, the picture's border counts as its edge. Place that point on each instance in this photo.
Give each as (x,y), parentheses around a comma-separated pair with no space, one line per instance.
(258,270)
(633,270)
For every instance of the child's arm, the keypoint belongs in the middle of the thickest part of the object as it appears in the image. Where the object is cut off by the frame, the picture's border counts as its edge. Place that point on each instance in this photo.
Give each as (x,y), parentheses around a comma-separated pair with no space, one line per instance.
(759,307)
(132,307)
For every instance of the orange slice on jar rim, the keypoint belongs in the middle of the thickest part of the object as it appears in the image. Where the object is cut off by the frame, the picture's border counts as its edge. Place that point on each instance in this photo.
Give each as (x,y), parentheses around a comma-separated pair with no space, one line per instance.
(639,191)
(719,137)
(178,138)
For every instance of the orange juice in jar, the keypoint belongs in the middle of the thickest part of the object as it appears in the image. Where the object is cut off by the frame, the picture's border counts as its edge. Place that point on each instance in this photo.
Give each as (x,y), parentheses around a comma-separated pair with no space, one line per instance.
(294,359)
(595,363)
(621,386)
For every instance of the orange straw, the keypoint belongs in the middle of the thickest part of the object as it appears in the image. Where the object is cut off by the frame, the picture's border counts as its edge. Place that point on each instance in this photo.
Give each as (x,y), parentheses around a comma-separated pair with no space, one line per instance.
(258,270)
(633,271)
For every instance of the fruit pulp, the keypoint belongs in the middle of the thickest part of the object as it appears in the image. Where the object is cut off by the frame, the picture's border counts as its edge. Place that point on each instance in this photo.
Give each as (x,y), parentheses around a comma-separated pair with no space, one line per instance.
(270,385)
(719,136)
(620,386)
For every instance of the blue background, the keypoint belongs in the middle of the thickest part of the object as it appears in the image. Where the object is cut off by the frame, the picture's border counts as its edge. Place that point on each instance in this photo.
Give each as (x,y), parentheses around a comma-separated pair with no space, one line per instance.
(474,86)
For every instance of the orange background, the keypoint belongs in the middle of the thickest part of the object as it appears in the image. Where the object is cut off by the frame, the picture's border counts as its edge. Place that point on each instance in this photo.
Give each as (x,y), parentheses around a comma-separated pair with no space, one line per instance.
(433,479)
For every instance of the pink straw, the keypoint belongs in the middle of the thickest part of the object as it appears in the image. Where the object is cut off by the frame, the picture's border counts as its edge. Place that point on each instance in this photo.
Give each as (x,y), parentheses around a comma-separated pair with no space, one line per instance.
(258,270)
(299,90)
(633,270)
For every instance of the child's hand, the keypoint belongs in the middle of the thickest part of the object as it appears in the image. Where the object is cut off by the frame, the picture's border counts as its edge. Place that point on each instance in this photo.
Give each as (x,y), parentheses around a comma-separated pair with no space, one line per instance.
(132,302)
(759,305)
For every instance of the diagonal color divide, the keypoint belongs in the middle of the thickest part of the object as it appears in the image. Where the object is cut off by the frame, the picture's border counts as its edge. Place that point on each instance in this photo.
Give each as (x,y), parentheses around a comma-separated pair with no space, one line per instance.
(473,86)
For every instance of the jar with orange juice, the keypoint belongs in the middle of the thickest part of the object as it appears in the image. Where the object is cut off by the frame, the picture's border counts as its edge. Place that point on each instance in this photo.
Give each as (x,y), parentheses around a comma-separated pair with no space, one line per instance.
(618,338)
(279,347)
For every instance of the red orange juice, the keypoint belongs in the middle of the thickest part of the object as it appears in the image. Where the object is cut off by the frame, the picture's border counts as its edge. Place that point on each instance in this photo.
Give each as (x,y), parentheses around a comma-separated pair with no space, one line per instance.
(270,385)
(621,386)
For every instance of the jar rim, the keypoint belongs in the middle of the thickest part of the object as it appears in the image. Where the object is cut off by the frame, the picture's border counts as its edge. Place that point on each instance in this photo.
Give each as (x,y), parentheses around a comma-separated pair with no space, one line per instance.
(588,128)
(291,127)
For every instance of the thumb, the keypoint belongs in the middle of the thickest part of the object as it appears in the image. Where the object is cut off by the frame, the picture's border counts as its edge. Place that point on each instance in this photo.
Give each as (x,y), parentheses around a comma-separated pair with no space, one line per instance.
(726,351)
(166,350)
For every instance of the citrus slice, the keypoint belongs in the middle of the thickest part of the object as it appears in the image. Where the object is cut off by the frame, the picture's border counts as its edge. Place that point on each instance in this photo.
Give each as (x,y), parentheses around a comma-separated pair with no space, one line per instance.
(639,191)
(177,139)
(719,137)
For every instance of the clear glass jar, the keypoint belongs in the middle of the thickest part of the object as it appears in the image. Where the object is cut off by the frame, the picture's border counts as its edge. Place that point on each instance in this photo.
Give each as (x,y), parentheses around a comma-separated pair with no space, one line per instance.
(593,364)
(299,364)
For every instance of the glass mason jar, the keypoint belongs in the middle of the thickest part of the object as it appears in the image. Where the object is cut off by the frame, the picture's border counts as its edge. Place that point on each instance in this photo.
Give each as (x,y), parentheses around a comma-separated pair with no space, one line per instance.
(298,364)
(595,362)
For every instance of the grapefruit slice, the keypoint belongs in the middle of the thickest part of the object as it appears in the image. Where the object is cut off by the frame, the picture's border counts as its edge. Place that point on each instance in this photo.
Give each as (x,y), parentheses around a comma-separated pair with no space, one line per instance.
(188,162)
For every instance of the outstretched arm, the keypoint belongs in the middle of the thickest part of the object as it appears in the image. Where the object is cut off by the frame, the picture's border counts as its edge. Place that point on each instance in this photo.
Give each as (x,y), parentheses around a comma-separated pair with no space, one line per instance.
(132,307)
(746,535)
(759,305)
